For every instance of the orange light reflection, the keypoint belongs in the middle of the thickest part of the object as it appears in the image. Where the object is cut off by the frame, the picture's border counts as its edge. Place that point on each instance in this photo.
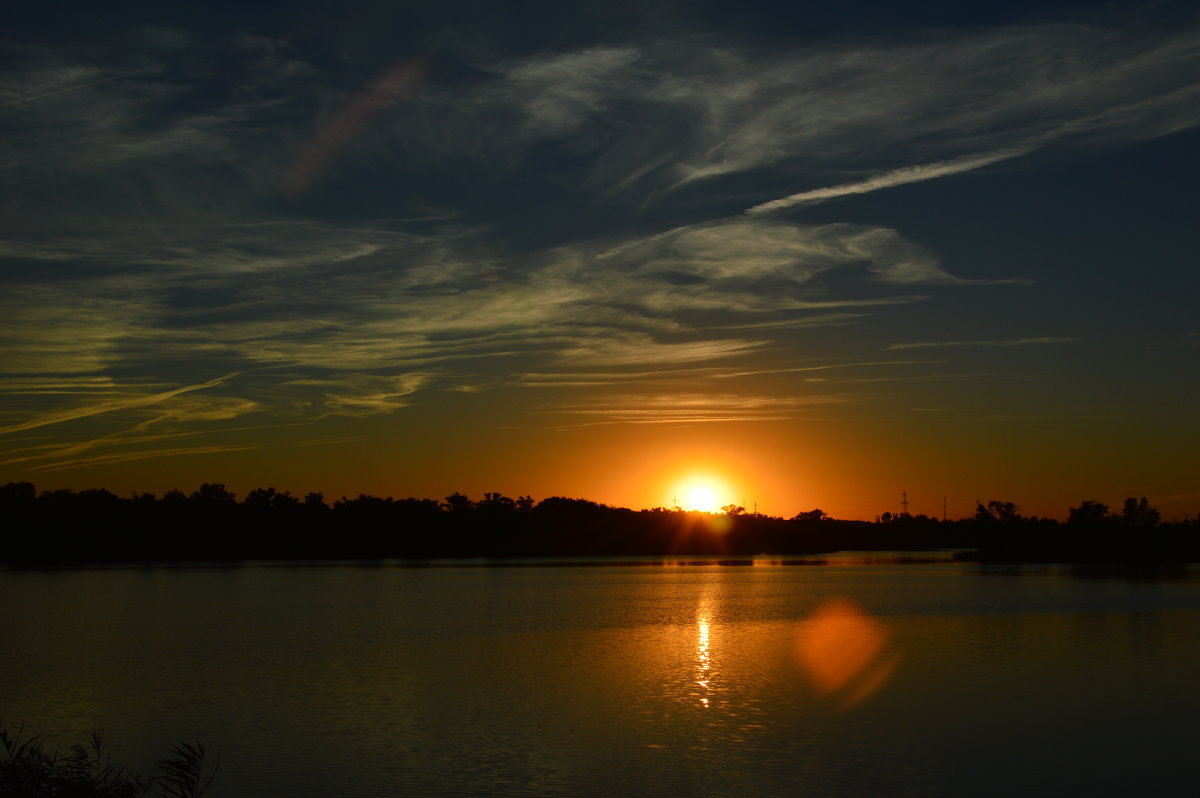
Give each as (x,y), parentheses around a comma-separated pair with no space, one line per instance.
(703,658)
(844,652)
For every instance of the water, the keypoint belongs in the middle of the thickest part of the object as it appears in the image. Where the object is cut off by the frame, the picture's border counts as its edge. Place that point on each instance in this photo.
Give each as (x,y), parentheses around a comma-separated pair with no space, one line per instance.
(839,679)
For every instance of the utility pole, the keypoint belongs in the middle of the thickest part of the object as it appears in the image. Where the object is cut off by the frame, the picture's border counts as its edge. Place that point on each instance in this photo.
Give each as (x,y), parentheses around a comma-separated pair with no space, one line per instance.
(943,509)
(903,502)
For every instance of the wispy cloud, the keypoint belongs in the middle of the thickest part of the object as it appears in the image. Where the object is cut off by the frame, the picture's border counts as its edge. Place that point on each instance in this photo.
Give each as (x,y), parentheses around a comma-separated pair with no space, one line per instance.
(365,394)
(689,408)
(677,113)
(174,257)
(359,298)
(125,457)
(109,406)
(59,329)
(822,367)
(896,177)
(76,87)
(139,434)
(1004,343)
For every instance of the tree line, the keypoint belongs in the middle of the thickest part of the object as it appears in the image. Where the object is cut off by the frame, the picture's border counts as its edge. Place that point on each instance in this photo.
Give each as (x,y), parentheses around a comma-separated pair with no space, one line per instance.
(210,524)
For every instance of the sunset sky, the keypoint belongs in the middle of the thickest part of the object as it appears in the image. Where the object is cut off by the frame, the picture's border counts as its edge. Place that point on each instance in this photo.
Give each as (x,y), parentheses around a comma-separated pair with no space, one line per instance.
(817,253)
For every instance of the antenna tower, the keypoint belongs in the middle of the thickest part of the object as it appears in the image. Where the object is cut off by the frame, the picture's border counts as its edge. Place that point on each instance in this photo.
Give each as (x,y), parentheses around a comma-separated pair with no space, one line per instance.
(943,508)
(903,502)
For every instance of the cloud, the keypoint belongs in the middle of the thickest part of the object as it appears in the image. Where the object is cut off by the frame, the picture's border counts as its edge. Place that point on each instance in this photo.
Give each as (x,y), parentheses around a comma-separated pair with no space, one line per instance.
(121,403)
(136,435)
(370,314)
(365,394)
(173,256)
(76,87)
(637,349)
(682,407)
(896,177)
(975,99)
(822,367)
(1006,343)
(356,298)
(65,330)
(157,143)
(55,384)
(656,116)
(648,116)
(560,93)
(124,457)
(756,264)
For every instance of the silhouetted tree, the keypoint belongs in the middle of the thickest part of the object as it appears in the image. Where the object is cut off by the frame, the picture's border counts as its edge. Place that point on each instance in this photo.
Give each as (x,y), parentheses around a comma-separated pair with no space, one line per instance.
(15,492)
(213,493)
(362,503)
(810,515)
(261,498)
(997,511)
(496,502)
(1138,512)
(269,498)
(97,499)
(1088,512)
(458,503)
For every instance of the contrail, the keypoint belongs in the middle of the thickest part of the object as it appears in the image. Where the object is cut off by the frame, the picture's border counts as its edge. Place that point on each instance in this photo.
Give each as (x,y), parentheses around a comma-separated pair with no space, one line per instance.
(109,406)
(73,88)
(896,177)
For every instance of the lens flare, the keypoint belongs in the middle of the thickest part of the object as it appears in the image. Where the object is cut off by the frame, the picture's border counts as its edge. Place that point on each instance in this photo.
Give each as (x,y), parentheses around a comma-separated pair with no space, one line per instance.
(385,89)
(845,652)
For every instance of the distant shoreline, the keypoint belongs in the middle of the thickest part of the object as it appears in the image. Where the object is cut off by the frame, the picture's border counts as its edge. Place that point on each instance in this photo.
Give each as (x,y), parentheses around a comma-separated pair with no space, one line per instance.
(839,558)
(95,528)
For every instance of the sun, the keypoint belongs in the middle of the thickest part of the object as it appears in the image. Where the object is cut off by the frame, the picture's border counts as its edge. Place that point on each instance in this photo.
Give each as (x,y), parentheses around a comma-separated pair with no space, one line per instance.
(704,493)
(701,497)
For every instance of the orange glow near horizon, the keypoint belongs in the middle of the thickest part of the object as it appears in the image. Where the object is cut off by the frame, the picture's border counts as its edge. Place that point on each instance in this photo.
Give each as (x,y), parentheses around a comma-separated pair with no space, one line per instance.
(702,491)
(743,465)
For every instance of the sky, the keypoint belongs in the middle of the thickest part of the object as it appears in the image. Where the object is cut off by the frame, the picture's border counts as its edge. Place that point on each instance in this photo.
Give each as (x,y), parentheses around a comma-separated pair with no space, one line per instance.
(812,254)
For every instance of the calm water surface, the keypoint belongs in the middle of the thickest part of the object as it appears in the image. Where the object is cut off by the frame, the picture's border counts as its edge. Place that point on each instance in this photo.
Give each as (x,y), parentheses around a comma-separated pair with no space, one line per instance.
(841,679)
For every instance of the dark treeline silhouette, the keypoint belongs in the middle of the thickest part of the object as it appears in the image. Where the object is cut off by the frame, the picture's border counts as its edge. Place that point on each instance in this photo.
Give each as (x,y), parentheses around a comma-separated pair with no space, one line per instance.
(95,526)
(1092,533)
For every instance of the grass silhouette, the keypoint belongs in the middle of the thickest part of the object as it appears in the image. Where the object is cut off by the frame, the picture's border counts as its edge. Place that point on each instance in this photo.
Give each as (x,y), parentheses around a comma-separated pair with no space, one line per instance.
(30,769)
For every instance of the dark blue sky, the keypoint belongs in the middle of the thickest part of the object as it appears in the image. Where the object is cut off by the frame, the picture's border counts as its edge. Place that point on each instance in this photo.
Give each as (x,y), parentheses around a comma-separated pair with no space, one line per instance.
(835,249)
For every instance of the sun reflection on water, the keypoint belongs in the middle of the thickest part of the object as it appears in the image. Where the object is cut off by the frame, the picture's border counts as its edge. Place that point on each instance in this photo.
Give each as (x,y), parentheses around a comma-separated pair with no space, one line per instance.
(703,659)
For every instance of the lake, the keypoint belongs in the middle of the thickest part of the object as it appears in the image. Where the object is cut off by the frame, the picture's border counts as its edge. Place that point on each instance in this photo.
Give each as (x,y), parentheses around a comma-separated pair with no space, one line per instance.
(847,678)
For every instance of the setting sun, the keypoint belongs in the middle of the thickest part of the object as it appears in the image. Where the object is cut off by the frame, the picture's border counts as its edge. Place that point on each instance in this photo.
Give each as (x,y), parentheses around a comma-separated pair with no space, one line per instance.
(704,493)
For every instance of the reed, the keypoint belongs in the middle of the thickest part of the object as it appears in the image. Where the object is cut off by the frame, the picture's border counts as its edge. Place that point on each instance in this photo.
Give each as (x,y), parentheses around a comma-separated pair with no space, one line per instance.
(30,769)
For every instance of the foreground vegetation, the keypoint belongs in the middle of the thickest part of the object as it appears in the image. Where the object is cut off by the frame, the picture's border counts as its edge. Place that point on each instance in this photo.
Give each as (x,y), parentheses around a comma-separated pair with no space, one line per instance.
(28,769)
(211,524)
